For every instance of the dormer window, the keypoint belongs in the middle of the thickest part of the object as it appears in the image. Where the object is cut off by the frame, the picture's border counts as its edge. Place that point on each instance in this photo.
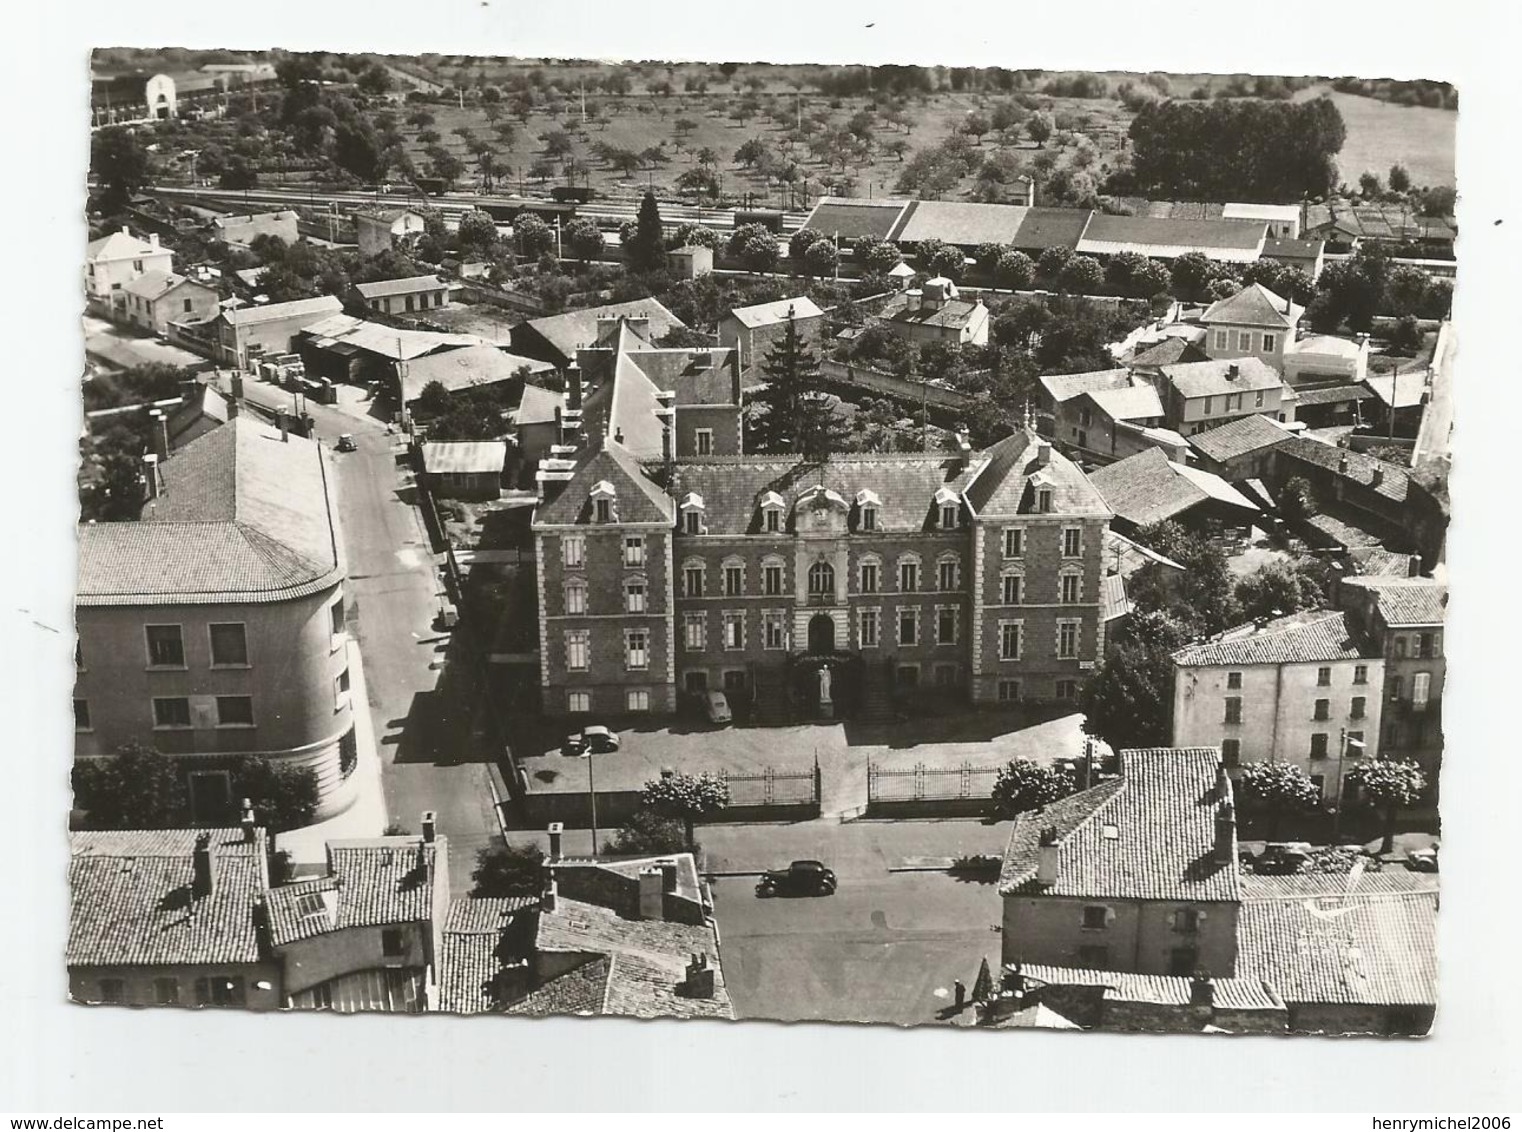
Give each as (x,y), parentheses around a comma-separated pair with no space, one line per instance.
(949,508)
(603,499)
(867,504)
(772,507)
(773,521)
(692,523)
(1044,500)
(692,511)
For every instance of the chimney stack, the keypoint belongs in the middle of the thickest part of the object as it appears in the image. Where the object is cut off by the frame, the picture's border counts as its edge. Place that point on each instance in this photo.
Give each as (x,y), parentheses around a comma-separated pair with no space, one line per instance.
(232,408)
(1046,861)
(573,386)
(1225,834)
(203,867)
(236,385)
(1201,991)
(429,827)
(556,831)
(551,896)
(1414,566)
(285,425)
(151,475)
(1043,454)
(1342,465)
(668,876)
(964,448)
(618,435)
(247,821)
(153,240)
(1233,371)
(652,902)
(699,980)
(1222,783)
(1377,477)
(160,433)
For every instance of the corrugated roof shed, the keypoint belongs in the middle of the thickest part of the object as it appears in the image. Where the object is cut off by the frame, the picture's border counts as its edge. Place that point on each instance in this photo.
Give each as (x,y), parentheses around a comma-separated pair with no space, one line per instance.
(963,223)
(464,457)
(852,219)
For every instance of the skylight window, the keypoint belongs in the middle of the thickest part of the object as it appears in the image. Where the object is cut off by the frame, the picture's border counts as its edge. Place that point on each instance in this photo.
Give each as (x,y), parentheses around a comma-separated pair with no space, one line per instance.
(1111,832)
(310,904)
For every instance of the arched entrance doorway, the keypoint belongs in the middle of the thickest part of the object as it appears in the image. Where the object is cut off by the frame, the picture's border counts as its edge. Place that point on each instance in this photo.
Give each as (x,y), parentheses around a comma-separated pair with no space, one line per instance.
(821,634)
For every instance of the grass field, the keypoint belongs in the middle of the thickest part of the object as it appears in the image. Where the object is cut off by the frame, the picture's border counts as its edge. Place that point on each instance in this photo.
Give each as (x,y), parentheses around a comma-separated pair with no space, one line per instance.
(1382,133)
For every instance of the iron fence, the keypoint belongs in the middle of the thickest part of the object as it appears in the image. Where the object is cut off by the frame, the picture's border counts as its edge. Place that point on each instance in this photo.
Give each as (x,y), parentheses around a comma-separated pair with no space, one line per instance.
(921,783)
(772,787)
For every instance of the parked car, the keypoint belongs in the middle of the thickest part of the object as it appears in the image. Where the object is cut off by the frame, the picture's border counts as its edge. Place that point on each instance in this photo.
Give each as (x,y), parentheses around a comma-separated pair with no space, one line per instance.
(1422,860)
(716,707)
(1281,859)
(801,878)
(346,443)
(596,740)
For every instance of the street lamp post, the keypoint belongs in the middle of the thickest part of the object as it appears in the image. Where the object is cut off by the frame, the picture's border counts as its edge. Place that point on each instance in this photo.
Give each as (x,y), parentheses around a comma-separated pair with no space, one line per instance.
(592,796)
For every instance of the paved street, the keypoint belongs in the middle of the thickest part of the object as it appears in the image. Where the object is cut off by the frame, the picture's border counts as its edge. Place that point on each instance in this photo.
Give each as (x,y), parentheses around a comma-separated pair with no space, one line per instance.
(110,345)
(424,737)
(1434,442)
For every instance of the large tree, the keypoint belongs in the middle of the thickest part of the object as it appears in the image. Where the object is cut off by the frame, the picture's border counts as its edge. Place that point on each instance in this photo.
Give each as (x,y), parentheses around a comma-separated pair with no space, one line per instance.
(1278,789)
(508,870)
(583,238)
(136,788)
(1276,589)
(686,797)
(119,163)
(1024,785)
(1129,701)
(646,249)
(283,796)
(1389,785)
(793,413)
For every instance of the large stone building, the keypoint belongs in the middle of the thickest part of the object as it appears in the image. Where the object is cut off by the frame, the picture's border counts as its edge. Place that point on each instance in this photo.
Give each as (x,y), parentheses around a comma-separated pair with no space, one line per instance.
(214,626)
(801,586)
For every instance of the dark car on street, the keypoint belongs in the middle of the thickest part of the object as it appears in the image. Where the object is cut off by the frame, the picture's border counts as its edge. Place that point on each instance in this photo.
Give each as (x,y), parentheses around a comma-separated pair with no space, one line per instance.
(596,740)
(801,878)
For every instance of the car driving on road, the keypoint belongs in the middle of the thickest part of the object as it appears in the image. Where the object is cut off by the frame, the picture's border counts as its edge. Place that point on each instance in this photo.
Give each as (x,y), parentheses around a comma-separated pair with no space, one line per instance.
(801,878)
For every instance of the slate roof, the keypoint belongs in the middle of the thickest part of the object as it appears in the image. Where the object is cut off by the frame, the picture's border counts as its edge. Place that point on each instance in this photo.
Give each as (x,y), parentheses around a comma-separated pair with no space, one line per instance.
(696,376)
(1253,305)
(1169,351)
(409,286)
(1162,809)
(1003,480)
(1148,488)
(370,883)
(1251,433)
(131,902)
(464,456)
(1162,990)
(771,314)
(647,958)
(538,406)
(1316,943)
(732,487)
(638,499)
(1311,637)
(1043,228)
(467,366)
(1065,386)
(1219,239)
(1360,470)
(269,312)
(568,332)
(963,223)
(243,518)
(480,941)
(1405,602)
(1210,379)
(852,219)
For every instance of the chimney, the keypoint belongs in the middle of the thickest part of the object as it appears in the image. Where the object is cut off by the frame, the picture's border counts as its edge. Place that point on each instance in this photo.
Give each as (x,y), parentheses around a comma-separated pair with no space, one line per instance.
(1377,477)
(573,386)
(160,434)
(1201,991)
(203,867)
(551,896)
(668,876)
(151,475)
(1414,566)
(1342,465)
(237,386)
(1233,372)
(247,821)
(913,298)
(429,827)
(964,449)
(1043,454)
(1222,783)
(153,240)
(232,408)
(1225,834)
(618,435)
(285,425)
(126,231)
(556,830)
(666,453)
(699,980)
(652,902)
(1046,860)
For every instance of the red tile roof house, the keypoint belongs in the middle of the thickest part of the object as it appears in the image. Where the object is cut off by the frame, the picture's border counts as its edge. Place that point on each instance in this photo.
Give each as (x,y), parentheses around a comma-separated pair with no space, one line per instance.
(629,937)
(1125,908)
(215,625)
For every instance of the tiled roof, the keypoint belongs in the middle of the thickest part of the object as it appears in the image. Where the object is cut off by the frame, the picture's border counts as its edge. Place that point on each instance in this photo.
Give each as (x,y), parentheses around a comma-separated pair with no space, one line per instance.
(570,331)
(581,990)
(1251,433)
(409,286)
(370,883)
(1163,990)
(1003,482)
(1148,488)
(1404,602)
(1213,378)
(638,499)
(1134,403)
(1161,812)
(464,456)
(467,366)
(1278,247)
(1221,239)
(770,314)
(1300,638)
(1345,528)
(851,219)
(120,245)
(1044,228)
(1330,395)
(243,517)
(1253,305)
(1170,350)
(1377,561)
(1360,467)
(648,958)
(153,285)
(1389,881)
(952,313)
(131,901)
(268,312)
(906,484)
(393,343)
(1065,386)
(962,223)
(479,942)
(1364,948)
